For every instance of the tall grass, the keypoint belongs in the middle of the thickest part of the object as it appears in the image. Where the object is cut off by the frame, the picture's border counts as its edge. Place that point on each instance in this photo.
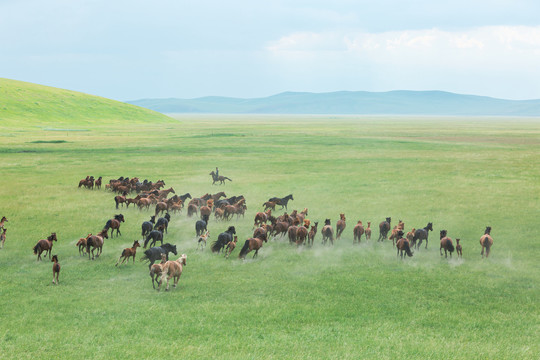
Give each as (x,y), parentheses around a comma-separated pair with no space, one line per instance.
(343,302)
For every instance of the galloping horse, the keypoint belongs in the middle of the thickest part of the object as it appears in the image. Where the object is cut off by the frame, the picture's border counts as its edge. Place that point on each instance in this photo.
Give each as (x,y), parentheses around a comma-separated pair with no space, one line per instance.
(4,219)
(3,238)
(223,239)
(216,178)
(154,254)
(155,235)
(403,245)
(327,232)
(486,241)
(114,224)
(173,269)
(147,226)
(358,231)
(55,269)
(384,227)
(249,245)
(281,201)
(459,249)
(340,226)
(129,252)
(368,231)
(201,225)
(312,233)
(82,244)
(422,234)
(157,269)
(446,244)
(96,242)
(45,245)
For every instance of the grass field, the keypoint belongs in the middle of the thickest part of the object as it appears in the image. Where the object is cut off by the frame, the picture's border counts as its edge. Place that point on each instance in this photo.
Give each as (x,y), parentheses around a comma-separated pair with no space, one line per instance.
(340,302)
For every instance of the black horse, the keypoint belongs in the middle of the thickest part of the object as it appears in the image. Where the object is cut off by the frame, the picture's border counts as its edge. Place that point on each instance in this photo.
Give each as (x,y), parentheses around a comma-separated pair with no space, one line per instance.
(147,226)
(281,201)
(200,225)
(154,254)
(384,227)
(163,221)
(156,236)
(223,239)
(422,234)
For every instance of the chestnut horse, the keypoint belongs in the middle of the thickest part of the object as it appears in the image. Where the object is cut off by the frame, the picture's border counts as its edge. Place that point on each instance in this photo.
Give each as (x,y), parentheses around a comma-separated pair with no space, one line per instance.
(340,226)
(230,247)
(249,245)
(368,231)
(4,219)
(459,249)
(446,244)
(3,238)
(173,269)
(114,224)
(486,241)
(55,269)
(129,252)
(358,231)
(157,269)
(384,227)
(82,244)
(96,242)
(45,245)
(312,233)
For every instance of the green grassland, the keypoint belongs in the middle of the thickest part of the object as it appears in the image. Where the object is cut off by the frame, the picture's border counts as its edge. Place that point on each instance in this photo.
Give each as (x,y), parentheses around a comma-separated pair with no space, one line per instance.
(340,302)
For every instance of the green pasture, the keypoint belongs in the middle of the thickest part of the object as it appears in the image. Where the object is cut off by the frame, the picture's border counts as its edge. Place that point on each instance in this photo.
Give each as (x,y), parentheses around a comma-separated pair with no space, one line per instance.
(340,302)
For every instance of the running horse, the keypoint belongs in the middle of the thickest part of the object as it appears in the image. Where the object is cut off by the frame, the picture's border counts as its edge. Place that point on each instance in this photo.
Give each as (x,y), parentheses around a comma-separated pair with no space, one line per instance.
(403,245)
(114,224)
(96,242)
(220,178)
(422,234)
(4,220)
(281,201)
(45,246)
(384,227)
(486,241)
(250,245)
(446,244)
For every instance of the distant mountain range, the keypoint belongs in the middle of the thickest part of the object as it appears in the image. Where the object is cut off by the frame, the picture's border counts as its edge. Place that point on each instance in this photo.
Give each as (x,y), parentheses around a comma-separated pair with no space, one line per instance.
(401,102)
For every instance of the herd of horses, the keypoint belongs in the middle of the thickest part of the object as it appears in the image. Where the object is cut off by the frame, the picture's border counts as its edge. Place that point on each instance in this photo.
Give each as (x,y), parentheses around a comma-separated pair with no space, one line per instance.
(296,226)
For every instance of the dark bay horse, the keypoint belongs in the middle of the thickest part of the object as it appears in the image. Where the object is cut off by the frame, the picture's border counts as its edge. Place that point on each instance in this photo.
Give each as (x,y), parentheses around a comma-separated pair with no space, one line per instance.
(327,232)
(358,231)
(114,224)
(282,201)
(45,246)
(201,225)
(403,245)
(250,245)
(155,235)
(163,221)
(422,234)
(220,178)
(384,227)
(147,226)
(486,241)
(340,226)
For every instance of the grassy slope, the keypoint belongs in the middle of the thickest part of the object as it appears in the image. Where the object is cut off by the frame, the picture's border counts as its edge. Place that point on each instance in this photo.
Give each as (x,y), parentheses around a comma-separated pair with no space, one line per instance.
(25,104)
(340,302)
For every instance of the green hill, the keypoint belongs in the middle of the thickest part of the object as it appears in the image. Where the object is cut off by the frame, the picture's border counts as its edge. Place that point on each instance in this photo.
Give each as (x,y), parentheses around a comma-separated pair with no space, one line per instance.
(26,104)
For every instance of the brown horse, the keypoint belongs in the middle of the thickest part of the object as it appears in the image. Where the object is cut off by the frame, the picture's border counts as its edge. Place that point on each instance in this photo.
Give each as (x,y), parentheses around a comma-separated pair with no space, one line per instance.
(446,244)
(358,231)
(250,245)
(301,235)
(384,227)
(459,249)
(368,231)
(45,245)
(269,205)
(96,242)
(173,269)
(129,252)
(262,218)
(231,245)
(55,270)
(327,233)
(2,238)
(403,245)
(486,241)
(192,209)
(120,199)
(292,231)
(4,219)
(220,178)
(312,233)
(161,207)
(82,244)
(340,226)
(97,184)
(114,224)
(157,269)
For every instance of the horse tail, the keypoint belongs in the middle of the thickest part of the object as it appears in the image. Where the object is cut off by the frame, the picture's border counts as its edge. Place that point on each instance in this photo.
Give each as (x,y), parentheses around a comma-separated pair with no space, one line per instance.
(226,178)
(216,246)
(245,249)
(450,246)
(108,224)
(407,249)
(36,248)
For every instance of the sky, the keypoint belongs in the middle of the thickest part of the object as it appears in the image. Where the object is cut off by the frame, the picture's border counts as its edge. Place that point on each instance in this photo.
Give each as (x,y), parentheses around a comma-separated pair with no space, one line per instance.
(129,50)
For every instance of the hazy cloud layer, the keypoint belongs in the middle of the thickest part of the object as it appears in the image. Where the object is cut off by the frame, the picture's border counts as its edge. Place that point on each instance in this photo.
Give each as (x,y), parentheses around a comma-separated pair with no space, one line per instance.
(135,49)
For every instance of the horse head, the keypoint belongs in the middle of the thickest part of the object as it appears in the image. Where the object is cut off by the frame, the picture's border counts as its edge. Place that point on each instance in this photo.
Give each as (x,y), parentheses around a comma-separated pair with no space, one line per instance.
(488,230)
(429,226)
(119,217)
(388,220)
(52,237)
(327,222)
(231,230)
(443,233)
(183,259)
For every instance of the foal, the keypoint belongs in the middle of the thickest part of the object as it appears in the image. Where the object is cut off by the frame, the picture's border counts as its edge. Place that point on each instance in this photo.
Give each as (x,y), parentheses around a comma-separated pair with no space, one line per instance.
(459,249)
(55,269)
(230,246)
(202,240)
(129,252)
(156,270)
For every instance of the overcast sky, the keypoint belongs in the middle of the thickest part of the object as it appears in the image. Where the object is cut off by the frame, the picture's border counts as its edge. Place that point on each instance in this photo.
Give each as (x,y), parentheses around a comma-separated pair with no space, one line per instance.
(129,50)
